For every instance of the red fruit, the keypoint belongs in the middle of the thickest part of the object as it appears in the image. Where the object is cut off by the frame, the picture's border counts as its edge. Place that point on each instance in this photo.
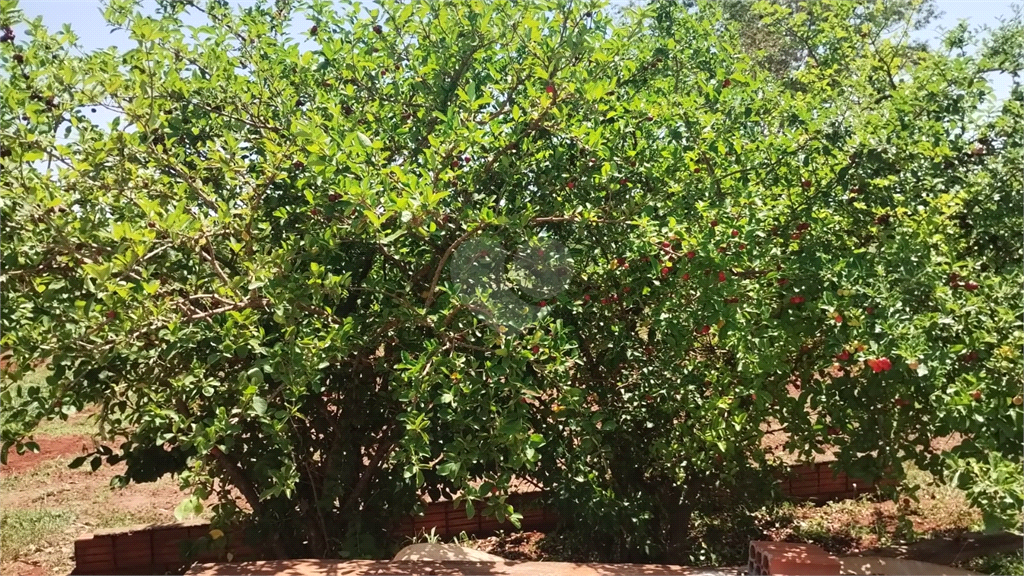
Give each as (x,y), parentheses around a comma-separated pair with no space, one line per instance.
(645,259)
(664,271)
(833,431)
(953,278)
(753,396)
(333,197)
(615,297)
(880,364)
(604,301)
(626,289)
(586,298)
(721,276)
(902,403)
(455,163)
(721,249)
(570,185)
(535,349)
(855,190)
(726,83)
(111,314)
(466,159)
(839,319)
(543,303)
(649,350)
(705,329)
(714,223)
(686,276)
(735,233)
(696,170)
(314,212)
(796,300)
(550,89)
(732,300)
(690,255)
(802,226)
(970,286)
(782,281)
(795,236)
(666,244)
(623,181)
(976,395)
(805,183)
(377,29)
(869,310)
(620,261)
(313,30)
(844,355)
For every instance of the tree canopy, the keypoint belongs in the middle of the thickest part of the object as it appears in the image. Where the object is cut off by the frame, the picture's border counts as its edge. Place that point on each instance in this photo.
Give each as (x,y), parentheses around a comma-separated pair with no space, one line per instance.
(337,257)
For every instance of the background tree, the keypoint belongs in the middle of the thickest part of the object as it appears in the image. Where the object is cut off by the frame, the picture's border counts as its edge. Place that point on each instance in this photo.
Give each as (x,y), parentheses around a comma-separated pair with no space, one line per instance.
(254,270)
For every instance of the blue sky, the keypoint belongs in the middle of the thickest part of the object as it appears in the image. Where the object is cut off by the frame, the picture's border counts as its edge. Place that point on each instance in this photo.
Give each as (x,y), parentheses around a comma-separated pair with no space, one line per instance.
(87,21)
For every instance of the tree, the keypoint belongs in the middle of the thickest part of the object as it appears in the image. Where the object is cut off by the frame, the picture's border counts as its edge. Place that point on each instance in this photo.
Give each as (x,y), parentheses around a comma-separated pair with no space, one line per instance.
(336,259)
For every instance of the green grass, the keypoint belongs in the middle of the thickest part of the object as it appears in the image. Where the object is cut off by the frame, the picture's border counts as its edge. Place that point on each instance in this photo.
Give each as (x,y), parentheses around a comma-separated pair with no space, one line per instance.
(25,530)
(1002,564)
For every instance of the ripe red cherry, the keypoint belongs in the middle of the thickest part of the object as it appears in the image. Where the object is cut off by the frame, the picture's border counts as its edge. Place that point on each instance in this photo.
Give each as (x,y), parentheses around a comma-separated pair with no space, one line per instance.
(535,350)
(726,83)
(550,88)
(620,261)
(844,355)
(314,212)
(970,286)
(664,271)
(721,249)
(626,289)
(570,185)
(455,163)
(705,329)
(111,314)
(735,233)
(839,319)
(976,395)
(666,244)
(714,223)
(696,170)
(586,298)
(686,276)
(333,197)
(855,190)
(721,276)
(623,181)
(902,403)
(543,303)
(802,226)
(466,159)
(615,297)
(869,310)
(604,301)
(796,300)
(690,255)
(743,246)
(795,236)
(377,29)
(805,183)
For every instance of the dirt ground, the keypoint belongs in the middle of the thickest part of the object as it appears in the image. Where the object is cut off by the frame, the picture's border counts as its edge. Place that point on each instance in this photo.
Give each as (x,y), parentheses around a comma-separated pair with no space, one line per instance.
(47,505)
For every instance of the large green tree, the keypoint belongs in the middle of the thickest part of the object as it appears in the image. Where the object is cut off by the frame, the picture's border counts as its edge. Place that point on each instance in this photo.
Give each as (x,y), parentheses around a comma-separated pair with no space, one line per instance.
(335,258)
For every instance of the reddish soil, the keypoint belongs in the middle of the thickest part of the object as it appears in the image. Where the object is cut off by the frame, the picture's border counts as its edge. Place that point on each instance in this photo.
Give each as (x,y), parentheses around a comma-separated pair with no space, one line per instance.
(24,569)
(49,448)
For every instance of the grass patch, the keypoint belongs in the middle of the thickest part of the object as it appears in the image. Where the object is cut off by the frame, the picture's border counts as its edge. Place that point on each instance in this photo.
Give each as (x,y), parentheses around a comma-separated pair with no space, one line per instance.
(25,531)
(123,518)
(1002,564)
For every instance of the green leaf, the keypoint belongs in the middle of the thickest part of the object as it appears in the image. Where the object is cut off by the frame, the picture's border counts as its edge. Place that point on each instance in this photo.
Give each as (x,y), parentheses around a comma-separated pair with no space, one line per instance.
(259,405)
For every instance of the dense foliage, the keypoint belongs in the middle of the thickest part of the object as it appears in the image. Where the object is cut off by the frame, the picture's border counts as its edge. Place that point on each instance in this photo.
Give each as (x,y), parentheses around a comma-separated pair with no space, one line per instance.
(337,258)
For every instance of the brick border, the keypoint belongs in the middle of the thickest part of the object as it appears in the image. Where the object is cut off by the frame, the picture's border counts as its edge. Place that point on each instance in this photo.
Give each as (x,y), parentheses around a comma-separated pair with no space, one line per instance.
(159,549)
